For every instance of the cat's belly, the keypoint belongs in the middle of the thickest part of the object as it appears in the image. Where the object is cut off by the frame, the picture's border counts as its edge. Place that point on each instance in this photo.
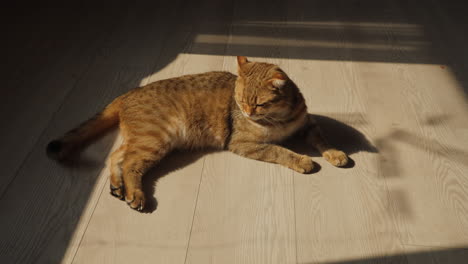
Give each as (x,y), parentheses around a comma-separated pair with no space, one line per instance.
(201,135)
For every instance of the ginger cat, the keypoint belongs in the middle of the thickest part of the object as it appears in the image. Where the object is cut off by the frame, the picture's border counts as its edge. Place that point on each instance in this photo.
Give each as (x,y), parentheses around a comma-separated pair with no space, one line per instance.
(246,114)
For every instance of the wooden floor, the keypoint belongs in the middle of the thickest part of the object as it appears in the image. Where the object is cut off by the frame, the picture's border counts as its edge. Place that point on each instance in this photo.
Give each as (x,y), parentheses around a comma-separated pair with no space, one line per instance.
(387,80)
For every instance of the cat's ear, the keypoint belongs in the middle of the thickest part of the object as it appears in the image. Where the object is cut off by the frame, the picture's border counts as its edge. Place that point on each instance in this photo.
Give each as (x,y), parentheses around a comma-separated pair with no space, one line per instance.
(278,80)
(241,60)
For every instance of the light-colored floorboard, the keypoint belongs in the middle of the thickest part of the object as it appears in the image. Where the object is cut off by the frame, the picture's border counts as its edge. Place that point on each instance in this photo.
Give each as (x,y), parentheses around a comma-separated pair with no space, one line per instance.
(169,226)
(158,237)
(342,214)
(245,213)
(423,162)
(245,209)
(165,238)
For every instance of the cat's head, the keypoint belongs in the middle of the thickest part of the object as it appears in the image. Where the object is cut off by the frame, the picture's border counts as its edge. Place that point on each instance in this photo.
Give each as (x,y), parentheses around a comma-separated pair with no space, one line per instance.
(263,90)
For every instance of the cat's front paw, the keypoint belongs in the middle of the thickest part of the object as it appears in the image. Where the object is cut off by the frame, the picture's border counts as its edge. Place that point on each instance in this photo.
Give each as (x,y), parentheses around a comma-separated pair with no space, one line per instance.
(336,157)
(304,164)
(136,200)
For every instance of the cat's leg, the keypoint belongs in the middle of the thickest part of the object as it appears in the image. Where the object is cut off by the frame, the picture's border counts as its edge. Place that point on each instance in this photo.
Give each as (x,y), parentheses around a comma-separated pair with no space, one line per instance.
(138,159)
(274,154)
(315,138)
(116,181)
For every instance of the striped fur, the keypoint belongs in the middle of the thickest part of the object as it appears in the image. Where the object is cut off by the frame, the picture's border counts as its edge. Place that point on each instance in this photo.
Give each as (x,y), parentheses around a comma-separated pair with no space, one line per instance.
(246,114)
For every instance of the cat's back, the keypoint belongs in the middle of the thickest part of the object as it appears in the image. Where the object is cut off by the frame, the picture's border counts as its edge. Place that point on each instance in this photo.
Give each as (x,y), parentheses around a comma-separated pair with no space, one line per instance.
(203,82)
(190,89)
(196,108)
(206,93)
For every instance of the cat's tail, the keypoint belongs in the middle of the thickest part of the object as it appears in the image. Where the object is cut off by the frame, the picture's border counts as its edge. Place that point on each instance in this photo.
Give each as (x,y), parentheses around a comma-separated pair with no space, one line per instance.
(77,138)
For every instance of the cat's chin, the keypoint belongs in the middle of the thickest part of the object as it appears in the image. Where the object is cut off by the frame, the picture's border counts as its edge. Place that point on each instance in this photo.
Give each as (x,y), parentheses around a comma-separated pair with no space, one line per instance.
(254,118)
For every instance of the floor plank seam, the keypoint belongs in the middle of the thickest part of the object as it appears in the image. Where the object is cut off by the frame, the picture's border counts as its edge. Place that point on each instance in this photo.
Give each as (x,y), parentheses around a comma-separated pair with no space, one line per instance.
(89,220)
(194,210)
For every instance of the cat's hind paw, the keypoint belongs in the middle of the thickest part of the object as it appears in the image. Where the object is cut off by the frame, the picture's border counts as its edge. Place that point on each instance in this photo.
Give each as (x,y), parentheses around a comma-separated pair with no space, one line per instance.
(136,200)
(117,191)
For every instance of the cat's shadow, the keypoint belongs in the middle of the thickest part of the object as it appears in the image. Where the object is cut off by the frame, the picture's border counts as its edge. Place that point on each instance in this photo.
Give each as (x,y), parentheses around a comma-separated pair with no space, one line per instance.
(174,161)
(338,134)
